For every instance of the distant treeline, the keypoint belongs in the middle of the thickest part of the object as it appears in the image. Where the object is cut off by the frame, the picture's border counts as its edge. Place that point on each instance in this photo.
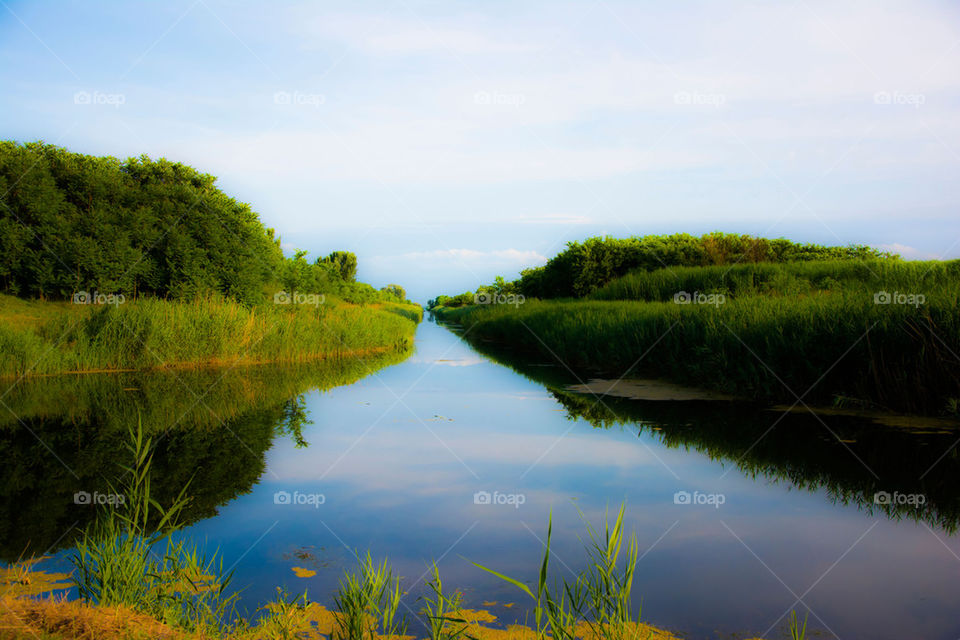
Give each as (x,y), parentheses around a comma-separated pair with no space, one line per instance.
(71,222)
(584,267)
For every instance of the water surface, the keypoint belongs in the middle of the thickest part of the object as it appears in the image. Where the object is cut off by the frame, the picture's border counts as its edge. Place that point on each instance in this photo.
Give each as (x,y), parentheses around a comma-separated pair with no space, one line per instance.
(402,461)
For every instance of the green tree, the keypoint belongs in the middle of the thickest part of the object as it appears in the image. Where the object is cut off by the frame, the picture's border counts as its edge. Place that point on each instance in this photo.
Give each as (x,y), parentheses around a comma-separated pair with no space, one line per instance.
(345,263)
(395,291)
(71,222)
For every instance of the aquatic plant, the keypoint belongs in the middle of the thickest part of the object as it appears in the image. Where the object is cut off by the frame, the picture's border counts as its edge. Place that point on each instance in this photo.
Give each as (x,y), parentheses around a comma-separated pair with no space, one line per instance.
(287,617)
(116,558)
(797,631)
(367,602)
(597,600)
(444,612)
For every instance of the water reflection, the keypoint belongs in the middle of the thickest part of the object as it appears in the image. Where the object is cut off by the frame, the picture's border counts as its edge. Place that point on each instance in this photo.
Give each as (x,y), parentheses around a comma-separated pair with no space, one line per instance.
(905,470)
(64,438)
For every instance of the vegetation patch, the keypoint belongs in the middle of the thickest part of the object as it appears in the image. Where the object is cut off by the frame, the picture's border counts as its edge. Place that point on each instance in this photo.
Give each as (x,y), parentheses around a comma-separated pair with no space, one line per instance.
(110,265)
(877,333)
(149,333)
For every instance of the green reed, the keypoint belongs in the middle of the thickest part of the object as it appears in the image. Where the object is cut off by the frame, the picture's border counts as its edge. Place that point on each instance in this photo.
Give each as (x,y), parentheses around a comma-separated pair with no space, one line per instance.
(127,556)
(797,631)
(599,596)
(818,345)
(367,603)
(444,612)
(783,279)
(41,337)
(286,617)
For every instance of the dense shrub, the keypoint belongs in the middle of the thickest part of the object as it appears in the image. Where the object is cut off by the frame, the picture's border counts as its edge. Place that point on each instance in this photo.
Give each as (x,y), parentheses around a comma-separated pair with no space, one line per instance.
(584,267)
(71,222)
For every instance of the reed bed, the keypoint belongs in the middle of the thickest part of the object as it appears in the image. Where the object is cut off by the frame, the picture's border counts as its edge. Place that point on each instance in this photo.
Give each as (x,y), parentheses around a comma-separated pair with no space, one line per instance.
(145,334)
(820,345)
(783,279)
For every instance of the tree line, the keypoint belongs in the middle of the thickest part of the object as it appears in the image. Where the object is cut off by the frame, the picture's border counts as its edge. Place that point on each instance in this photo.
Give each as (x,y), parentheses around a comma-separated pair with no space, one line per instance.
(71,222)
(584,267)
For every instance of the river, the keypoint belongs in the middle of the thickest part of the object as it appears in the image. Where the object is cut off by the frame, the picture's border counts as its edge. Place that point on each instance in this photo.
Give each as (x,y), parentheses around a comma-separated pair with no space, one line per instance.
(742,514)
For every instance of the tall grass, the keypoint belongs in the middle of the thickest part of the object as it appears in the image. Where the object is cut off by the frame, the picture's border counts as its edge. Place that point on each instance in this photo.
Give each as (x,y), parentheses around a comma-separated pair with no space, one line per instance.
(152,333)
(287,619)
(818,346)
(444,611)
(408,311)
(127,557)
(782,279)
(367,603)
(798,631)
(597,600)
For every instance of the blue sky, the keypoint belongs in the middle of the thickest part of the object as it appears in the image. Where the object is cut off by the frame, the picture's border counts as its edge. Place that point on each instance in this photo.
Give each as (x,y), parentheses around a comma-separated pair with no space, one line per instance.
(448,142)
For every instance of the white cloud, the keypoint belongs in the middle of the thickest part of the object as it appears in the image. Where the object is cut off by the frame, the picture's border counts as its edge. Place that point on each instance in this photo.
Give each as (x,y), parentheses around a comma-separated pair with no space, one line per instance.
(582,100)
(456,269)
(468,361)
(453,443)
(383,34)
(412,152)
(497,256)
(555,218)
(908,253)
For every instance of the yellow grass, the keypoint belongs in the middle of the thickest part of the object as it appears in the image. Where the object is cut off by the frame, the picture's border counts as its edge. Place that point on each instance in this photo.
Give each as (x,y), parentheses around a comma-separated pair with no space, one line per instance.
(59,619)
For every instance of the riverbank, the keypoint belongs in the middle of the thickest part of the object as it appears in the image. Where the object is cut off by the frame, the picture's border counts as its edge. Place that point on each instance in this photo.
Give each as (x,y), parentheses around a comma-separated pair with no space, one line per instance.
(40,337)
(882,335)
(57,619)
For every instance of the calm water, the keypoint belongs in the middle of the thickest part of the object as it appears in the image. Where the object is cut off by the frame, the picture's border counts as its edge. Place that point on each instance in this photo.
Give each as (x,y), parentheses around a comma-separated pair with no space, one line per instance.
(398,463)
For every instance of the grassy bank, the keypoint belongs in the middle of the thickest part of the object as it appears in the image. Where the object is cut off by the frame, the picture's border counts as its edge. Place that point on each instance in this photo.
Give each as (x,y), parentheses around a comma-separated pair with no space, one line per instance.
(818,330)
(38,337)
(58,619)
